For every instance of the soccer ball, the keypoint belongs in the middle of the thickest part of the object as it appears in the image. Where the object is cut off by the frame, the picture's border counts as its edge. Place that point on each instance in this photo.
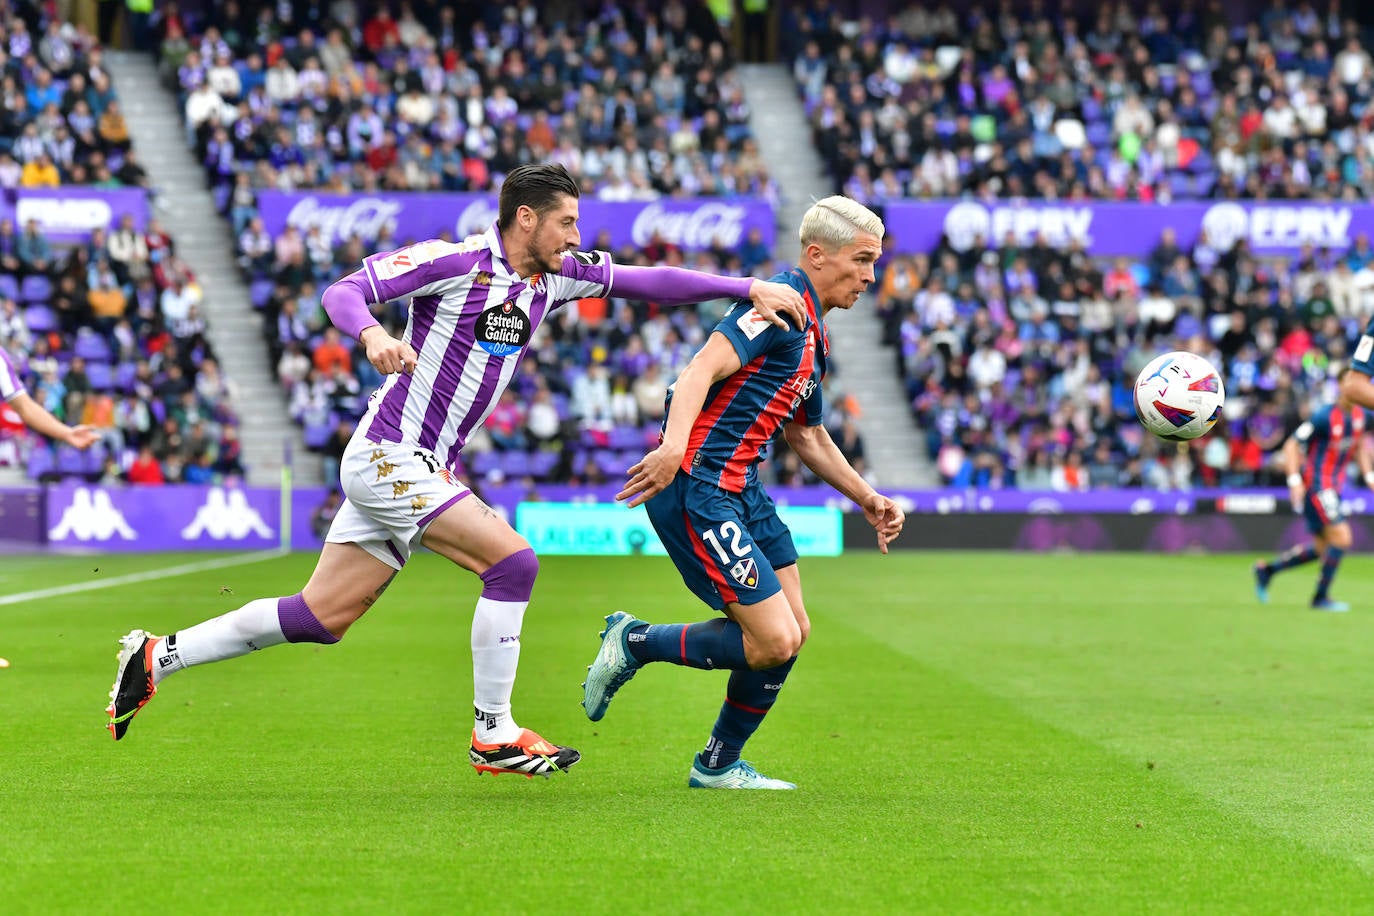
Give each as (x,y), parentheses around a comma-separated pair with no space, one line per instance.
(1178,396)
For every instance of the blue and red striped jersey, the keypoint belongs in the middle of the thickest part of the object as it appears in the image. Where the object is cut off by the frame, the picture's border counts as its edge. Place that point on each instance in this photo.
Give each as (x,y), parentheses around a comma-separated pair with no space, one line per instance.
(1330,438)
(780,374)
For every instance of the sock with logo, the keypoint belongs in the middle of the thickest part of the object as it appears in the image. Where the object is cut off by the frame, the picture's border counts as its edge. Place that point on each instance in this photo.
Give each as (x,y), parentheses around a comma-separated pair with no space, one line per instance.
(715,643)
(747,700)
(1297,556)
(506,589)
(1330,561)
(257,625)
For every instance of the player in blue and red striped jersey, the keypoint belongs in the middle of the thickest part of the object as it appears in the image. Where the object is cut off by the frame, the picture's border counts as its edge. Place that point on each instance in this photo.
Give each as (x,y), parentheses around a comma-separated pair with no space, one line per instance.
(702,493)
(1316,457)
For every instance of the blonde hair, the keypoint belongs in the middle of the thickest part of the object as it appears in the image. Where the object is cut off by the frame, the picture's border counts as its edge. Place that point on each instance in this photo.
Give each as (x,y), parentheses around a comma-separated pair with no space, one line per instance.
(833,223)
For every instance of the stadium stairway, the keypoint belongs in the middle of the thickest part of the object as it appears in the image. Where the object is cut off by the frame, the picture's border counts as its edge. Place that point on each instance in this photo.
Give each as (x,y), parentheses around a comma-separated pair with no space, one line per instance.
(893,445)
(204,238)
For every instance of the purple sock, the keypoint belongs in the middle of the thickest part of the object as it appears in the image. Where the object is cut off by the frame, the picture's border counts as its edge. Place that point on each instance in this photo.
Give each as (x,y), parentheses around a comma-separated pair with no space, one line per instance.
(512,579)
(299,624)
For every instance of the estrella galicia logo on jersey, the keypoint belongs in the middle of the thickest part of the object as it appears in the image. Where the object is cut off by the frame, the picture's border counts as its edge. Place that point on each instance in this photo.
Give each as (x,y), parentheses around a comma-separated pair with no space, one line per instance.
(503,329)
(745,572)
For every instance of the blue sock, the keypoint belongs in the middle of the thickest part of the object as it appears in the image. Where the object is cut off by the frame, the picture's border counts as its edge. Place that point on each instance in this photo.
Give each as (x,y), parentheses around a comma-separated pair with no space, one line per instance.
(715,643)
(1297,556)
(747,700)
(1329,564)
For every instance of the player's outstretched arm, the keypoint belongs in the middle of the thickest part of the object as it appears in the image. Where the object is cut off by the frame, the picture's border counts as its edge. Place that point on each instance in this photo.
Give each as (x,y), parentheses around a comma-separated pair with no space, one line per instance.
(38,419)
(1358,387)
(680,286)
(1365,460)
(819,452)
(713,362)
(1292,465)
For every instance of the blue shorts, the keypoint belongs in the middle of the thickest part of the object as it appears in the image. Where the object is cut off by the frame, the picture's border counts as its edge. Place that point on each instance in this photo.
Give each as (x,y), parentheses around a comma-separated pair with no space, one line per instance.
(726,545)
(1320,509)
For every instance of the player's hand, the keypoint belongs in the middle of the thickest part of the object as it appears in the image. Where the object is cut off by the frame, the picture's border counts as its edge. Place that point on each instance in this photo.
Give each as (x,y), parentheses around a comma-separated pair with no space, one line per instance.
(81,436)
(650,476)
(387,354)
(1295,494)
(773,300)
(886,517)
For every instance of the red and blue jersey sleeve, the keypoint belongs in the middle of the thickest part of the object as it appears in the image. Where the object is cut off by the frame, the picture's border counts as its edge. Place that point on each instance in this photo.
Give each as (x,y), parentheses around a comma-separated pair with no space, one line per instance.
(751,334)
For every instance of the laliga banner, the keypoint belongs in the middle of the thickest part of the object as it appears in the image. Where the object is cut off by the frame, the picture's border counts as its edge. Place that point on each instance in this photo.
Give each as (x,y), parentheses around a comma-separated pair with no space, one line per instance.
(416,216)
(69,214)
(1107,229)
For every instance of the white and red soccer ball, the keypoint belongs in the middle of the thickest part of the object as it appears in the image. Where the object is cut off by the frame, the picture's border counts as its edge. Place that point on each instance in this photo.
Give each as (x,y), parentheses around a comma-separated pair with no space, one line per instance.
(1179,396)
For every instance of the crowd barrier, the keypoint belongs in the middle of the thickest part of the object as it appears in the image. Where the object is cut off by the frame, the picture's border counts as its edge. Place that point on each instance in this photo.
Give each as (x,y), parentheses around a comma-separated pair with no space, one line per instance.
(587,521)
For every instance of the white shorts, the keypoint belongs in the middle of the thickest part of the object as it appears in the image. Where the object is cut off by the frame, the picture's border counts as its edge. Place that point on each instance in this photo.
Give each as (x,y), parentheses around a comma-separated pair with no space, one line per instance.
(393,491)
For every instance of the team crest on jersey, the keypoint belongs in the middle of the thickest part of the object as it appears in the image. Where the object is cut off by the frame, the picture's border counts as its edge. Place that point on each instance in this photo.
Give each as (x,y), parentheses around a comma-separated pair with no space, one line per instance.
(503,329)
(745,572)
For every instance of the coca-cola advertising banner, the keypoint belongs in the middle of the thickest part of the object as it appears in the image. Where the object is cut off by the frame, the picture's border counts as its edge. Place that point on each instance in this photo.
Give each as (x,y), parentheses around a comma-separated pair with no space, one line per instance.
(1108,229)
(694,224)
(70,214)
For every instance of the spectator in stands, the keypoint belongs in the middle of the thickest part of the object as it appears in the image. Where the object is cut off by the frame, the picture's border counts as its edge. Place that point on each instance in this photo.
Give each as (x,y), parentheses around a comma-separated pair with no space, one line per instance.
(34,250)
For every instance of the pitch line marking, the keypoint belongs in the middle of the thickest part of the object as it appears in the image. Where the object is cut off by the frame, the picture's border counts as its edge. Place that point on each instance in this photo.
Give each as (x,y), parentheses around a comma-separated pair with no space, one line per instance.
(149,575)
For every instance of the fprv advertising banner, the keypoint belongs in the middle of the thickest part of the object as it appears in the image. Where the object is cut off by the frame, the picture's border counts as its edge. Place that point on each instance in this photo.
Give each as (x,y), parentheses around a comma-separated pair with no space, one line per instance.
(70,214)
(689,223)
(1108,229)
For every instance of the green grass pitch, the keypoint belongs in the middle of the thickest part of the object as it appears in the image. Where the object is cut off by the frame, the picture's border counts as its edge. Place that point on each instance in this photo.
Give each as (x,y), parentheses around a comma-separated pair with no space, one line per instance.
(972,733)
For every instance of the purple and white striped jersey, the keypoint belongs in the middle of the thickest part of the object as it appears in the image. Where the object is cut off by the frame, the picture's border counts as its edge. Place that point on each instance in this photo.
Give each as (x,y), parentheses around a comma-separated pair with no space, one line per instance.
(471,320)
(10,385)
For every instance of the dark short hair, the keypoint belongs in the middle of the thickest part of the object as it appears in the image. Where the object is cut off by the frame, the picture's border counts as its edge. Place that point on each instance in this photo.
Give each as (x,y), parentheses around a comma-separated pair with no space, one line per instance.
(535,186)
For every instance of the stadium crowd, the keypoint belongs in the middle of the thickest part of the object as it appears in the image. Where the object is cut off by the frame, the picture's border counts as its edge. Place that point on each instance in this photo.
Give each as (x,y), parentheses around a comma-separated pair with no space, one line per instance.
(635,105)
(106,331)
(1131,101)
(1017,359)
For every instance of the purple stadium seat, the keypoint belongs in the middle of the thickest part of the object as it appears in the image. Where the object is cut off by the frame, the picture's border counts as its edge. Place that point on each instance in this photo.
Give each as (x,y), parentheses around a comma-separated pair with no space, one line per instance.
(484,463)
(91,346)
(9,286)
(94,459)
(36,289)
(542,464)
(511,464)
(125,375)
(41,462)
(1099,134)
(40,319)
(259,292)
(100,375)
(71,462)
(317,434)
(625,437)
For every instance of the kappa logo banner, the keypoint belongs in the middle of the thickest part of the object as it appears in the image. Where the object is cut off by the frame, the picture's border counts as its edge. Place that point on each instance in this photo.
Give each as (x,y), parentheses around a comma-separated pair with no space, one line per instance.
(170,517)
(226,515)
(91,516)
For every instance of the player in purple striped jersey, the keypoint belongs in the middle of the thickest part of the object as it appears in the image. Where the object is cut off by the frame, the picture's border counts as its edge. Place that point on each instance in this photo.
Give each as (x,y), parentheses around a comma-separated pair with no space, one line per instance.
(33,414)
(474,306)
